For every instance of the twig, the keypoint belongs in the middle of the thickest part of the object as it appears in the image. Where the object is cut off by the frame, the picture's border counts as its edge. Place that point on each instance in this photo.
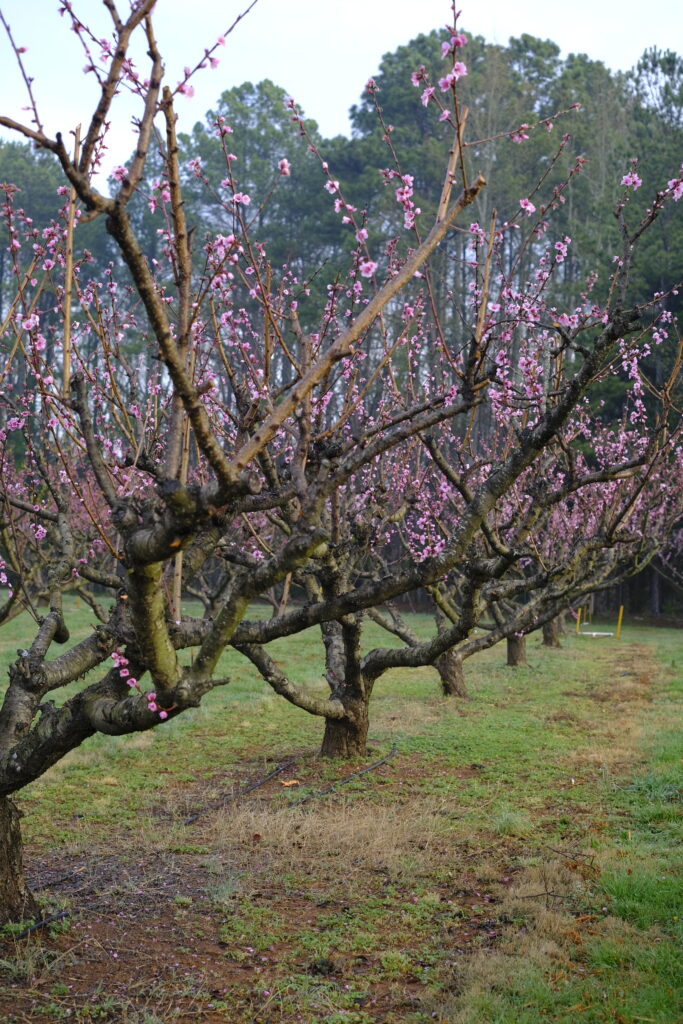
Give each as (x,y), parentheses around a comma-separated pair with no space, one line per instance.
(341,782)
(572,856)
(42,924)
(238,796)
(537,895)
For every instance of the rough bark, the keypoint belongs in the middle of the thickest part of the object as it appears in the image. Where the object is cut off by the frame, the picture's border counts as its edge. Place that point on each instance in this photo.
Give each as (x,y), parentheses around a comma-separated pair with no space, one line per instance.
(551,633)
(348,736)
(451,673)
(516,646)
(16,900)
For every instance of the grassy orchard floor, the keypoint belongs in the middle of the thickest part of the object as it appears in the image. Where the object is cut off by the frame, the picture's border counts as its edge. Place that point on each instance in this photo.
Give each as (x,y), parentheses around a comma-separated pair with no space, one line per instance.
(518,860)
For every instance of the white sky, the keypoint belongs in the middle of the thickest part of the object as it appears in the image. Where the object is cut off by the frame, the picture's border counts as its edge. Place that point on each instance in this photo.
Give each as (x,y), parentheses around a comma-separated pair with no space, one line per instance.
(320,51)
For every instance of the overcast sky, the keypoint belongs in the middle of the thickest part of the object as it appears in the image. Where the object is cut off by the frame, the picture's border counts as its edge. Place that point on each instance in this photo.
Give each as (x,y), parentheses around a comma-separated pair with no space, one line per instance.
(320,51)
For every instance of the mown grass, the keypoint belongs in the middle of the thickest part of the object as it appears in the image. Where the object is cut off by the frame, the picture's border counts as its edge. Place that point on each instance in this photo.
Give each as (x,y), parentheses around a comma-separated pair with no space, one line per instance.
(519,859)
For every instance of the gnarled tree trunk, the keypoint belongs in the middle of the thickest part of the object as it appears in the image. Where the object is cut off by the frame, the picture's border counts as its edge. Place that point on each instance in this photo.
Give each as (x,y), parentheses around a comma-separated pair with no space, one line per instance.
(347,737)
(516,646)
(16,901)
(551,633)
(451,673)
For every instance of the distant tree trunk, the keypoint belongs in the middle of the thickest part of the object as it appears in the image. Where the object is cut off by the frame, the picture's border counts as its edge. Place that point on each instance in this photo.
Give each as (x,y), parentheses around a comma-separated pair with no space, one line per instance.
(655,593)
(450,669)
(16,901)
(347,737)
(551,633)
(517,651)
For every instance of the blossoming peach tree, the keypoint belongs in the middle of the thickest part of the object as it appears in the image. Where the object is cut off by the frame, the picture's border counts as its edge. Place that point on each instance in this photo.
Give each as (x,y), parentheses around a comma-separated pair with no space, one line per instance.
(177,424)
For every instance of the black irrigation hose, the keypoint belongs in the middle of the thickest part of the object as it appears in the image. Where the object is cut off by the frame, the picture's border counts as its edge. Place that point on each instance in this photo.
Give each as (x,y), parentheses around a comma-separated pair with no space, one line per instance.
(41,924)
(238,796)
(294,803)
(341,782)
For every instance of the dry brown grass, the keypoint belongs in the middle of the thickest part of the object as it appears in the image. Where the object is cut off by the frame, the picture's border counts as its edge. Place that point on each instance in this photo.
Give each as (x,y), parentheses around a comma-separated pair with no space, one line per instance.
(304,839)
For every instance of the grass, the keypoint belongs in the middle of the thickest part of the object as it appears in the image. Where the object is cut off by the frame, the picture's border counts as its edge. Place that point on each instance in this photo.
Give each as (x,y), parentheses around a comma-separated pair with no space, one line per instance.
(519,859)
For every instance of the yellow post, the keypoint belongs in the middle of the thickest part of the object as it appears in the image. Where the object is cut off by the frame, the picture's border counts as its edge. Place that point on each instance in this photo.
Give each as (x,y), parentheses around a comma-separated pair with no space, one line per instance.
(578,622)
(621,615)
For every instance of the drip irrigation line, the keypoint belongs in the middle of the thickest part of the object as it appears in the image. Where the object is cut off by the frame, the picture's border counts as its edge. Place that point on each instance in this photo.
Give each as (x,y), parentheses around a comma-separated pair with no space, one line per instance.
(238,796)
(42,924)
(341,782)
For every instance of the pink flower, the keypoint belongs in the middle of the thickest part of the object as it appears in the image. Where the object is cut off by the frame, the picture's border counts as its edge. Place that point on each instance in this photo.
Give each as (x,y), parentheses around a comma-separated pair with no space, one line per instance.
(284,166)
(521,134)
(527,206)
(368,268)
(241,197)
(426,95)
(631,180)
(163,715)
(120,173)
(676,188)
(332,187)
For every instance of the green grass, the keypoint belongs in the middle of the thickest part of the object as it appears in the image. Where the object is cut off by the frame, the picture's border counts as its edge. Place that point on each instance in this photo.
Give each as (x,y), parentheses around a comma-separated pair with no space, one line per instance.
(519,860)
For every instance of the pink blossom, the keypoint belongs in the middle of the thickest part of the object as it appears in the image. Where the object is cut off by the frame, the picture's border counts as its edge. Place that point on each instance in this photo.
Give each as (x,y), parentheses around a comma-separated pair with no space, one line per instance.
(675,186)
(241,197)
(332,187)
(527,206)
(120,173)
(631,180)
(459,70)
(368,268)
(521,135)
(426,95)
(284,166)
(418,76)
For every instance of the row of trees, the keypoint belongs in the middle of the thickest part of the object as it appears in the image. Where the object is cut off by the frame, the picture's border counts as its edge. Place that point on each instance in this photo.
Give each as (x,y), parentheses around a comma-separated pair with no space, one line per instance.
(416,417)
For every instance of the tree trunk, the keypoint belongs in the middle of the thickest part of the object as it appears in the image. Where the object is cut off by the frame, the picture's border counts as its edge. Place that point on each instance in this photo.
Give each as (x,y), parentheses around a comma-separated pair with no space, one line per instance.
(655,593)
(517,651)
(346,737)
(551,633)
(449,667)
(16,901)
